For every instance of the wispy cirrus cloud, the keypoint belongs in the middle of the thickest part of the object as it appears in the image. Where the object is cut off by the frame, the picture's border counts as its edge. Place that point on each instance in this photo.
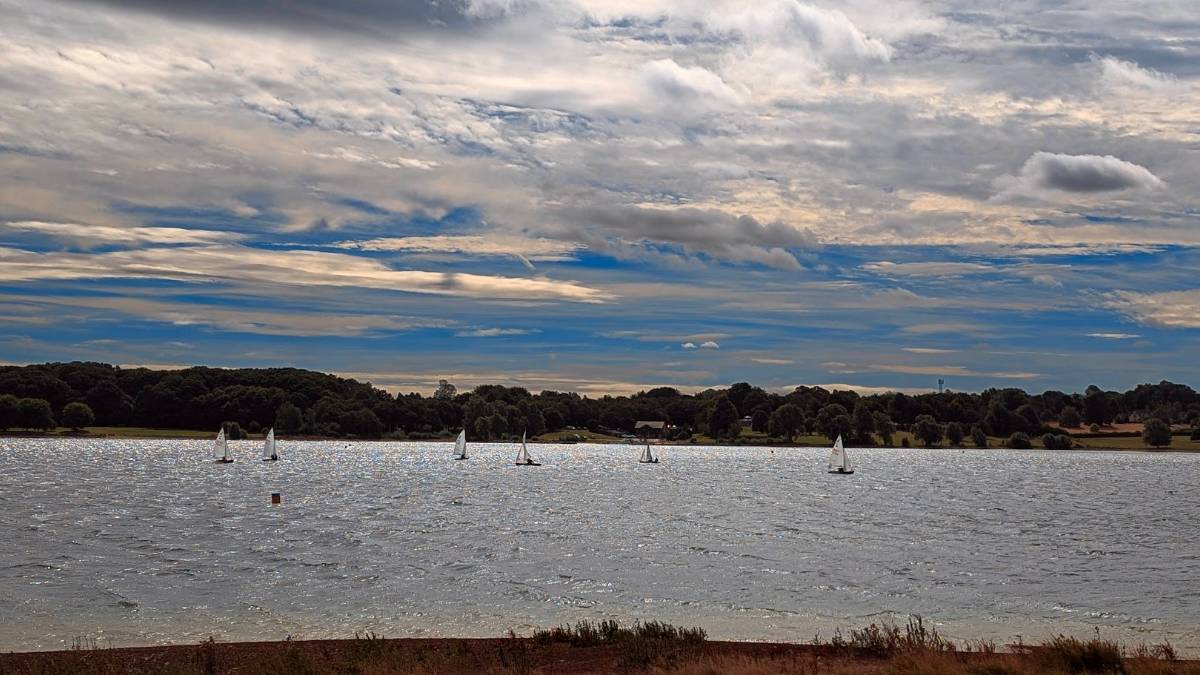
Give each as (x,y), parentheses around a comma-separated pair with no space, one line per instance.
(281,267)
(494,332)
(101,235)
(536,249)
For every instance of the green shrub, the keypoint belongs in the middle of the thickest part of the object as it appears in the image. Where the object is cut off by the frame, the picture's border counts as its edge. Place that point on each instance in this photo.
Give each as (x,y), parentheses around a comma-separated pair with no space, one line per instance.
(979,437)
(1057,442)
(1156,433)
(1019,441)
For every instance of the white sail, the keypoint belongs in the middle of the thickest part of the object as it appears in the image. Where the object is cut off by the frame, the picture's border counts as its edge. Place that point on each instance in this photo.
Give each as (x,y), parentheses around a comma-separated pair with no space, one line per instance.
(460,445)
(646,455)
(523,455)
(221,446)
(269,446)
(837,457)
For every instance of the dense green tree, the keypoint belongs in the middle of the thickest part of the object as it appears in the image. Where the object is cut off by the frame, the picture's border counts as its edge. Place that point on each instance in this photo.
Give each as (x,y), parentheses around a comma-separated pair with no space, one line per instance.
(111,405)
(35,413)
(1097,406)
(77,415)
(785,422)
(834,421)
(361,422)
(979,437)
(37,382)
(723,420)
(445,391)
(1029,419)
(760,420)
(863,421)
(200,398)
(535,422)
(884,427)
(288,418)
(10,412)
(1069,418)
(553,418)
(954,433)
(927,429)
(1156,433)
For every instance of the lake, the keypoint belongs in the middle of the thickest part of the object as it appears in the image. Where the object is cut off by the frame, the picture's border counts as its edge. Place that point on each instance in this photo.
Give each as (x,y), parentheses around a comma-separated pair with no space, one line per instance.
(148,541)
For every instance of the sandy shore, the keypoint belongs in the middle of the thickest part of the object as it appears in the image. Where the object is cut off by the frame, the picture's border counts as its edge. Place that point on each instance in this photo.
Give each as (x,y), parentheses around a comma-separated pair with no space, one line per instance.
(369,656)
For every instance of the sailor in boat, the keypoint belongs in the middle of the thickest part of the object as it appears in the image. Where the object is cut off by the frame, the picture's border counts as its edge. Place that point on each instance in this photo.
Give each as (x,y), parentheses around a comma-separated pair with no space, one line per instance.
(839,461)
(270,453)
(523,457)
(222,448)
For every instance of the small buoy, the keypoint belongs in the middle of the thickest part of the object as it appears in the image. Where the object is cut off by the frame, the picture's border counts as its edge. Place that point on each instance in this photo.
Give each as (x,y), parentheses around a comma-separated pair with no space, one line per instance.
(276,498)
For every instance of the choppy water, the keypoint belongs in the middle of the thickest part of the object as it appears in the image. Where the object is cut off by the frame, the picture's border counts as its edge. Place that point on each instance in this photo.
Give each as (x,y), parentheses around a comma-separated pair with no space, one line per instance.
(144,542)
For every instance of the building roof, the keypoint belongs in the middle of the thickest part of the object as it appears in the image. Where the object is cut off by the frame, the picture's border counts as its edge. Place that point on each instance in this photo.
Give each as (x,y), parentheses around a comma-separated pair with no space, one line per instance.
(650,424)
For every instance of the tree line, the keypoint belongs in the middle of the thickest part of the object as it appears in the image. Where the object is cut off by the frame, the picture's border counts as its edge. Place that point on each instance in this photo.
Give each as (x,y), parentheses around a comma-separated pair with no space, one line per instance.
(295,401)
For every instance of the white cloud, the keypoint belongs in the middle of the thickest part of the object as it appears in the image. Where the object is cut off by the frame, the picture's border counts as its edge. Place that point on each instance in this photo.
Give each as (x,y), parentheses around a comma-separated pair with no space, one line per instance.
(1046,280)
(688,345)
(1115,73)
(686,88)
(1169,309)
(709,345)
(1114,336)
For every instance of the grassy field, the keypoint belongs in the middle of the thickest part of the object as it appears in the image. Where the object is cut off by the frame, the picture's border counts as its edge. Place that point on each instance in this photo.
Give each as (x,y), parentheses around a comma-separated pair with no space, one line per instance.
(1179,442)
(126,432)
(578,435)
(606,647)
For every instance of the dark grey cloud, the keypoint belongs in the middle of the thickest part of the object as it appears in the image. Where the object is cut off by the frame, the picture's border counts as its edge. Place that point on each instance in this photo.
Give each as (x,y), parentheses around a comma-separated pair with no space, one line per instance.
(699,230)
(379,18)
(1084,173)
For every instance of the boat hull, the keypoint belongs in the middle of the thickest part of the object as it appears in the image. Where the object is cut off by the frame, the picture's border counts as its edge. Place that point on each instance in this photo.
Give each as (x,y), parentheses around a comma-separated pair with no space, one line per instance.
(459,458)
(843,473)
(529,463)
(224,461)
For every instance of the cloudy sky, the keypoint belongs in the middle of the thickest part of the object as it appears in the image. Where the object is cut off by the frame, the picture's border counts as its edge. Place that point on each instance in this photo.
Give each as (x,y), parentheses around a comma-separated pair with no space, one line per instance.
(607,195)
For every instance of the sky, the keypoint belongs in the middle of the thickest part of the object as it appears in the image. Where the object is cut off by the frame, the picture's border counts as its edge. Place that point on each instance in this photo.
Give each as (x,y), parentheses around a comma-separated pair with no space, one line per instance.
(606,195)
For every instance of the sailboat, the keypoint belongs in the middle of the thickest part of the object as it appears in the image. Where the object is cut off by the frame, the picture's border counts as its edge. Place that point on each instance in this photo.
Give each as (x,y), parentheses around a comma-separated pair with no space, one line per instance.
(523,458)
(839,461)
(221,448)
(647,456)
(270,454)
(460,445)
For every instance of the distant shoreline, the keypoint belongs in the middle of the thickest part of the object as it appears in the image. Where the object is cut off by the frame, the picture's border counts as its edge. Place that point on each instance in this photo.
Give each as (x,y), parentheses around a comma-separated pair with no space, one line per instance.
(189,435)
